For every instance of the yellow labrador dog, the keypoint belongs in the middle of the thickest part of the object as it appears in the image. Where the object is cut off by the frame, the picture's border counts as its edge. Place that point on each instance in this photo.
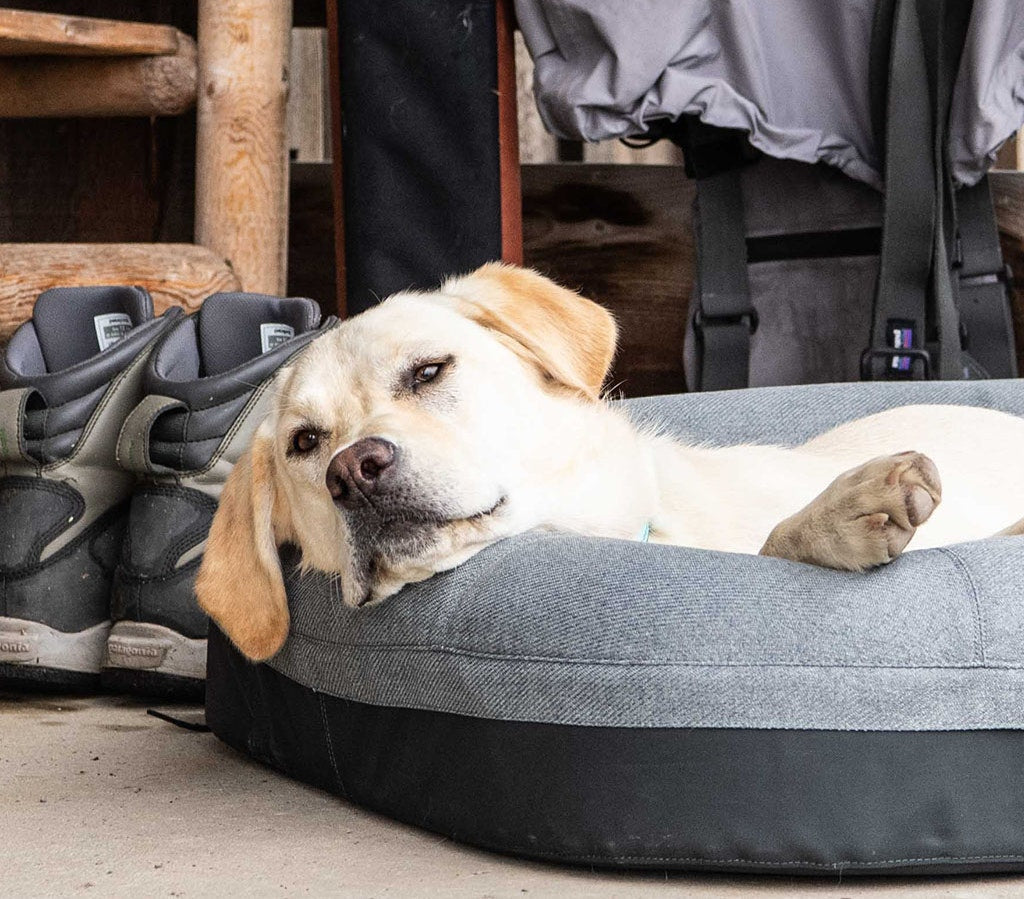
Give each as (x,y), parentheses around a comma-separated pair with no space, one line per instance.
(417,433)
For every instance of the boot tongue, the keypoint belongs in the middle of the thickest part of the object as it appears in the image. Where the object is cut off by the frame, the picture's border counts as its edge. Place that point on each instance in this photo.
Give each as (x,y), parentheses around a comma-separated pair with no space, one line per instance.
(237,327)
(73,324)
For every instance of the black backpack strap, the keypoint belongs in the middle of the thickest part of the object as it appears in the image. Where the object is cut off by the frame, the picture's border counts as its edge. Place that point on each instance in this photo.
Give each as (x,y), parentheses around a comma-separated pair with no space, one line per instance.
(980,284)
(985,284)
(878,69)
(897,347)
(723,316)
(916,326)
(944,26)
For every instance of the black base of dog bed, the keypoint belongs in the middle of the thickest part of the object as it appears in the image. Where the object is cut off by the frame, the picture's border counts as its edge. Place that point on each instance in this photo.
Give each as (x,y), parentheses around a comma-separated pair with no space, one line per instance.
(783,801)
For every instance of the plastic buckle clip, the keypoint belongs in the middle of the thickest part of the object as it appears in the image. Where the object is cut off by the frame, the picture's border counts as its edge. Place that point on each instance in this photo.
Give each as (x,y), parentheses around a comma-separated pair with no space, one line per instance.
(1002,276)
(891,355)
(900,354)
(702,320)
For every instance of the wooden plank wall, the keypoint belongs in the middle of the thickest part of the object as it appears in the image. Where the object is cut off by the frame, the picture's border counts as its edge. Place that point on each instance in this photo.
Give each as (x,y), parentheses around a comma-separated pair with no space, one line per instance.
(621,235)
(309,99)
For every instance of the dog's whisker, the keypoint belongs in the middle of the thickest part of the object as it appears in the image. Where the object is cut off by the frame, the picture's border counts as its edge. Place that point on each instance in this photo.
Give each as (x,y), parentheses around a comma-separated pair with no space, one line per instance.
(607,394)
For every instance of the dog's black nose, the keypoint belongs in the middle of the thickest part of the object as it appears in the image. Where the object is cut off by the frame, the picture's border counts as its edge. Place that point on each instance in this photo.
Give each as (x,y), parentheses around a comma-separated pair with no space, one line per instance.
(357,471)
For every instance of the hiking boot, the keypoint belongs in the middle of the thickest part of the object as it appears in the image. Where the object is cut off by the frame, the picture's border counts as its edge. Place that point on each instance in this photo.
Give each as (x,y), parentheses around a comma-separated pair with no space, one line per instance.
(68,379)
(208,386)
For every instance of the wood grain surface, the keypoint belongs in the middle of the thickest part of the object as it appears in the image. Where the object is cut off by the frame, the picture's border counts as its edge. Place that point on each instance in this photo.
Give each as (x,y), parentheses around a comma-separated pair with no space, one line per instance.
(28,33)
(62,87)
(175,274)
(242,153)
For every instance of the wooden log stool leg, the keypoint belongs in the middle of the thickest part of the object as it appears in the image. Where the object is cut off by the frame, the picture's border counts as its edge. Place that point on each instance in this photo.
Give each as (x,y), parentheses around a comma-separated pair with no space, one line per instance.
(242,154)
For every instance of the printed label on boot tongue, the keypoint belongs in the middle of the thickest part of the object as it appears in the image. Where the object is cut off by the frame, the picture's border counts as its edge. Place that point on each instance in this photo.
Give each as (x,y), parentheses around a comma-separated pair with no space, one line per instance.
(272,335)
(111,328)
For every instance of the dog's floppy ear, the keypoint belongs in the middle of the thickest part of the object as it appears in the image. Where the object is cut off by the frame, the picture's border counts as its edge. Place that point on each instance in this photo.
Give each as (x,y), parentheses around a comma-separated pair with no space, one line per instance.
(570,338)
(240,585)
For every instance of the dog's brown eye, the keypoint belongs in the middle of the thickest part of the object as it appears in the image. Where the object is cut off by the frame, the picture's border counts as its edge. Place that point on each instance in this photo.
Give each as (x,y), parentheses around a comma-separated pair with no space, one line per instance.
(426,373)
(305,441)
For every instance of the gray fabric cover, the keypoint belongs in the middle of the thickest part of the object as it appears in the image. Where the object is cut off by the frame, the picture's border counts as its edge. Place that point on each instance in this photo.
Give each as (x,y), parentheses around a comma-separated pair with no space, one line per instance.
(792,73)
(564,629)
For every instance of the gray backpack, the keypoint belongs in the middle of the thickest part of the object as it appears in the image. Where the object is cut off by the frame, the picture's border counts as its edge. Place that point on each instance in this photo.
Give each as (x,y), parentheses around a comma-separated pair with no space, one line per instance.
(810,272)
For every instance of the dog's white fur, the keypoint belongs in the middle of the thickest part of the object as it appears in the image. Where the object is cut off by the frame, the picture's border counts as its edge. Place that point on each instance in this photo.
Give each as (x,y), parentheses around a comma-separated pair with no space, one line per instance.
(515,422)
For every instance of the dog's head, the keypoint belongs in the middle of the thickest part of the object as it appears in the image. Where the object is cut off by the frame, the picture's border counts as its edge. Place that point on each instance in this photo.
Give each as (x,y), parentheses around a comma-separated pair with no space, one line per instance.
(403,442)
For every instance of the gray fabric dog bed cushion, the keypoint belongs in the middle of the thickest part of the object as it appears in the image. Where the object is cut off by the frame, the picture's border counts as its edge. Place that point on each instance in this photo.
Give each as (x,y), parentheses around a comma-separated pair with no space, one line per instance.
(611,702)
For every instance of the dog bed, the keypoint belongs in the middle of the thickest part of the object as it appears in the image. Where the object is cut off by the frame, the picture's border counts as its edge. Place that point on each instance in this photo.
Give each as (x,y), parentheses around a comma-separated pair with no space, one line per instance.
(604,702)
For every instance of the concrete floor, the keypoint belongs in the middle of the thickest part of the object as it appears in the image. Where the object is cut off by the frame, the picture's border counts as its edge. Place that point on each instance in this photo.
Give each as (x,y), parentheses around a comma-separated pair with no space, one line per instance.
(97,798)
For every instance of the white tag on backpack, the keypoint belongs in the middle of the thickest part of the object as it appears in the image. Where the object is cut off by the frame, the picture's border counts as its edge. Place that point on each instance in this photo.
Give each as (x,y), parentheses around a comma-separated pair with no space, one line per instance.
(273,335)
(111,328)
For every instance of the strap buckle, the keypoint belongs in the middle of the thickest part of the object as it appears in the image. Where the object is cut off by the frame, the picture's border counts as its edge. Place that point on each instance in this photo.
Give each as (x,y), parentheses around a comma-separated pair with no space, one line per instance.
(1002,276)
(895,367)
(900,356)
(723,348)
(701,319)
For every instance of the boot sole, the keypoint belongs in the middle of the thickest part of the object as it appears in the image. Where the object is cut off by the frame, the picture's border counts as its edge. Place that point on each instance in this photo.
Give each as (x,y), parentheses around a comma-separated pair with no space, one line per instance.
(153,660)
(153,685)
(33,653)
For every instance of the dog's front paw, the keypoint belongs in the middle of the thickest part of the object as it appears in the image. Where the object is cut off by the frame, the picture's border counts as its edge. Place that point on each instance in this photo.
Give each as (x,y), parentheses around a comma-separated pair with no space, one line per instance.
(865,517)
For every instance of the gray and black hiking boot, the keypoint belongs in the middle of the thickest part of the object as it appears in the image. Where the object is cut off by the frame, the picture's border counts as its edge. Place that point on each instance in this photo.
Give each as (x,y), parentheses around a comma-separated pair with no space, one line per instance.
(68,379)
(208,386)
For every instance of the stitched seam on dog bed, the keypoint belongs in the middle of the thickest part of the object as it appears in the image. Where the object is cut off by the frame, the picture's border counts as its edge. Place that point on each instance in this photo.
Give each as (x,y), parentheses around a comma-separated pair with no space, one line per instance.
(647,663)
(965,573)
(330,746)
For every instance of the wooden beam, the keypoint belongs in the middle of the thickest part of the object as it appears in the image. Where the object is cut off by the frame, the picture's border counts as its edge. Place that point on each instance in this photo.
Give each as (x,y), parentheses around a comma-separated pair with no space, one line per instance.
(1008,197)
(509,179)
(35,33)
(1006,155)
(175,274)
(536,143)
(337,160)
(309,108)
(664,152)
(61,87)
(241,150)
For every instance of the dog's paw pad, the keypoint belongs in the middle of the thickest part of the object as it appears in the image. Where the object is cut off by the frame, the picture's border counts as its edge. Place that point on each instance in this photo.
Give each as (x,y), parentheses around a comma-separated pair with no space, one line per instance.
(896,494)
(917,479)
(920,505)
(885,540)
